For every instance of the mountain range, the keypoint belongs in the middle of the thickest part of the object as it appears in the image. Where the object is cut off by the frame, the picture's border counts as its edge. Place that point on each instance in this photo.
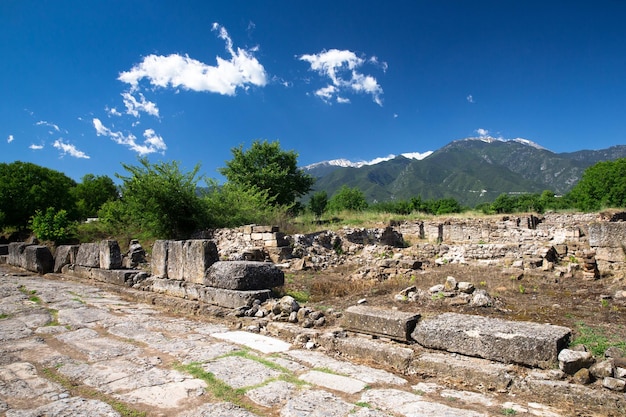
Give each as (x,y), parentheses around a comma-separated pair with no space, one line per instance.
(471,170)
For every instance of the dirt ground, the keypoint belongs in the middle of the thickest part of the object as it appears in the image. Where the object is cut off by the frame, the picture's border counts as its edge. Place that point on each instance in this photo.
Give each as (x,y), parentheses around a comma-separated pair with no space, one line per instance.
(583,306)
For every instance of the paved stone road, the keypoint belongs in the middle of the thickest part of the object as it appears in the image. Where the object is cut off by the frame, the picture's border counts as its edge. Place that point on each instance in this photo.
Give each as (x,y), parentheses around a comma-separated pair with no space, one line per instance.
(73,349)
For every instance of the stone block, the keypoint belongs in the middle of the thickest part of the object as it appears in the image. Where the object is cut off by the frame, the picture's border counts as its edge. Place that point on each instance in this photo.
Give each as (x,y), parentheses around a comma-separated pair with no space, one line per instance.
(38,259)
(159,258)
(88,255)
(4,259)
(16,254)
(609,254)
(607,234)
(525,343)
(264,229)
(199,255)
(175,260)
(110,255)
(111,276)
(4,249)
(185,260)
(214,296)
(244,275)
(64,255)
(571,361)
(393,324)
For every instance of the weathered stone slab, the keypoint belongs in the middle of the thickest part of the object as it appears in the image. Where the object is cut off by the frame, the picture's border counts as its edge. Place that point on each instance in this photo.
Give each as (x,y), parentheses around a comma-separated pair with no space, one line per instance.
(525,343)
(16,253)
(254,341)
(395,325)
(474,371)
(214,296)
(88,255)
(110,255)
(607,234)
(187,260)
(159,258)
(112,276)
(38,259)
(64,255)
(335,382)
(244,275)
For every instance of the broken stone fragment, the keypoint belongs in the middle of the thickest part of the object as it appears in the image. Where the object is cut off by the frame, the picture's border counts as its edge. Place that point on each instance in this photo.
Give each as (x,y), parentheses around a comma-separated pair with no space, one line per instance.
(570,361)
(614,384)
(244,275)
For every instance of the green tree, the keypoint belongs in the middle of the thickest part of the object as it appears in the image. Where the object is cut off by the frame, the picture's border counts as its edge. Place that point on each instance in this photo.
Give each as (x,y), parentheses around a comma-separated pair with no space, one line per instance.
(233,205)
(503,204)
(348,199)
(26,188)
(602,185)
(53,225)
(318,203)
(267,167)
(92,192)
(158,199)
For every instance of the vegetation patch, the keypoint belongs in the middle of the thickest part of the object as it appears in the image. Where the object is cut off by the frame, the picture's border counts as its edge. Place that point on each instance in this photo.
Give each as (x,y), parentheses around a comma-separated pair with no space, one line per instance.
(596,340)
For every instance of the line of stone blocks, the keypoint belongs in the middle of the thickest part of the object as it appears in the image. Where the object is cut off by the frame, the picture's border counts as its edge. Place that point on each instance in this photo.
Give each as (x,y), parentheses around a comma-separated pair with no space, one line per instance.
(391,324)
(123,277)
(210,295)
(183,260)
(34,258)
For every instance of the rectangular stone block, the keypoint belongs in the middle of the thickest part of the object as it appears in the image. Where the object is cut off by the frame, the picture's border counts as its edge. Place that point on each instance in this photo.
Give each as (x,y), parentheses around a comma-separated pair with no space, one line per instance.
(610,254)
(256,236)
(392,324)
(264,229)
(159,258)
(111,276)
(175,260)
(110,255)
(88,255)
(525,343)
(244,275)
(38,259)
(16,254)
(214,296)
(199,255)
(607,234)
(64,255)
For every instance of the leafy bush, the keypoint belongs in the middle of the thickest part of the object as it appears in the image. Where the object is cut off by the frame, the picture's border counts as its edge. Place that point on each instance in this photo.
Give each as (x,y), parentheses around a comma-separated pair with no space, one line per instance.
(53,225)
(233,205)
(318,203)
(348,198)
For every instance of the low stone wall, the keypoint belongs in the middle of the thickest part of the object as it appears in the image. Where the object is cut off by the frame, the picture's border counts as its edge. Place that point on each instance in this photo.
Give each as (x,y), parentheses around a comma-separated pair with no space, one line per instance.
(34,258)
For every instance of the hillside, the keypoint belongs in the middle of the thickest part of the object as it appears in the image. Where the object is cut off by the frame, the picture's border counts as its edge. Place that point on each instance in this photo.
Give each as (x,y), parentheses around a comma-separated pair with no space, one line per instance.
(472,171)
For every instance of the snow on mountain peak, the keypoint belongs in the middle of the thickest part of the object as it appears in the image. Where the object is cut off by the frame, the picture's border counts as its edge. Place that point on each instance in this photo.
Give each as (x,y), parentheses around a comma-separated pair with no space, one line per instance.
(358,164)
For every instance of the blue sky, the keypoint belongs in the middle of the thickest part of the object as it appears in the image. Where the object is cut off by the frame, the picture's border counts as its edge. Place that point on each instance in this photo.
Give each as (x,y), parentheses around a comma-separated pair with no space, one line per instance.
(89,85)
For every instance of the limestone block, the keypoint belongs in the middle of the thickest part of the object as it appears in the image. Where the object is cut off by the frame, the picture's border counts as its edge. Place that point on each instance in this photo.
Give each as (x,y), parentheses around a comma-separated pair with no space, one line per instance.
(159,258)
(175,260)
(570,361)
(16,254)
(264,229)
(38,259)
(610,254)
(525,343)
(614,384)
(88,255)
(199,255)
(393,324)
(607,234)
(110,255)
(64,255)
(244,275)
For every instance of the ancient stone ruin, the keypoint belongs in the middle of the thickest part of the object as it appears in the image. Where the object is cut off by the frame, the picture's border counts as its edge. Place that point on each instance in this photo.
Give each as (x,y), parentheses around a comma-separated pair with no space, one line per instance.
(237,269)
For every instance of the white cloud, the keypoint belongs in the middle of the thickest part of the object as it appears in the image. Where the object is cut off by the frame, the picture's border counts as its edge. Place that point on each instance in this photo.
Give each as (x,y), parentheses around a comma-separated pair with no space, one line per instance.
(152,143)
(470,99)
(36,147)
(483,133)
(134,106)
(69,149)
(52,125)
(395,115)
(343,100)
(341,67)
(240,71)
(10,139)
(112,111)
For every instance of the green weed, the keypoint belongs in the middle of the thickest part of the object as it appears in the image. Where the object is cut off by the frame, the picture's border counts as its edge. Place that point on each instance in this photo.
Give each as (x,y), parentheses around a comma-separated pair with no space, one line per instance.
(596,340)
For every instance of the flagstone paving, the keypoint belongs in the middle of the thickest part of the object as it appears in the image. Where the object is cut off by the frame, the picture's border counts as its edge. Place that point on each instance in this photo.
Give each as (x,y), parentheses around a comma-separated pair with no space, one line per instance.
(69,348)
